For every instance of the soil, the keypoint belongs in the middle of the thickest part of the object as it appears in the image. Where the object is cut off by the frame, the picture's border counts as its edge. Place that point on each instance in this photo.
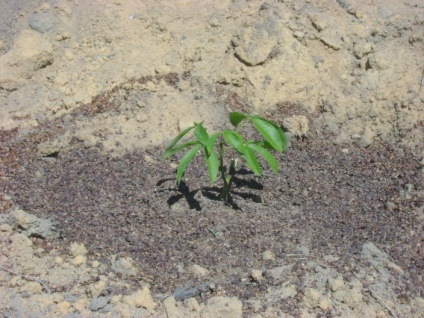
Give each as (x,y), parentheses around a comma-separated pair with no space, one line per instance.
(92,222)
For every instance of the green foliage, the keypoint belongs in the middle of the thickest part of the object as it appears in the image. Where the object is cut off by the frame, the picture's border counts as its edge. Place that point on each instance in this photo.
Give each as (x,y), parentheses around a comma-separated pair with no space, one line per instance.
(273,136)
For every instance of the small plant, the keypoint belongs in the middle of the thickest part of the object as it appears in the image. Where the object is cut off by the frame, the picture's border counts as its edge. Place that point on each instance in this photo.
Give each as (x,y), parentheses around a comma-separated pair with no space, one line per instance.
(273,139)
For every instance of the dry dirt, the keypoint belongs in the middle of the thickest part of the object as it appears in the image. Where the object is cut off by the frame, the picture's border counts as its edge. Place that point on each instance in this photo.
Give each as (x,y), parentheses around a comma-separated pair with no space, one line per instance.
(92,223)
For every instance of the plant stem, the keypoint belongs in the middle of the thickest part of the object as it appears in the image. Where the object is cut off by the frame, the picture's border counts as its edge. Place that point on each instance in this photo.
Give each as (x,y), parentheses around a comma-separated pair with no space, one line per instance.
(228,181)
(225,189)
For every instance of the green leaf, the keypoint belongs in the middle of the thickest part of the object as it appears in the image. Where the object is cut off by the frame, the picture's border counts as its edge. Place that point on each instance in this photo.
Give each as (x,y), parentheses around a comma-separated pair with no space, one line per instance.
(235,140)
(269,131)
(170,152)
(236,118)
(185,161)
(211,142)
(265,154)
(251,161)
(201,134)
(213,165)
(283,137)
(179,136)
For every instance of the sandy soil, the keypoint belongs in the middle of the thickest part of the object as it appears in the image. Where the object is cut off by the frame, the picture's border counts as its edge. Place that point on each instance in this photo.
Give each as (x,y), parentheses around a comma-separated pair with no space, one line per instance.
(91,221)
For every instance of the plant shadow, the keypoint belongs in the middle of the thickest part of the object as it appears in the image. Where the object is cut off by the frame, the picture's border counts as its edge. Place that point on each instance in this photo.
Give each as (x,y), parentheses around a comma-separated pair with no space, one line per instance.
(213,193)
(183,191)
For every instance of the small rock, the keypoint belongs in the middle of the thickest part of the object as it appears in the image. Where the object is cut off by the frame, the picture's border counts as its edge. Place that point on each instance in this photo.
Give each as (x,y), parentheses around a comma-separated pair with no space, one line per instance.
(198,270)
(5,228)
(142,117)
(30,225)
(390,205)
(148,159)
(151,87)
(256,275)
(317,21)
(78,260)
(332,39)
(69,297)
(98,303)
(78,249)
(41,22)
(362,49)
(95,264)
(268,256)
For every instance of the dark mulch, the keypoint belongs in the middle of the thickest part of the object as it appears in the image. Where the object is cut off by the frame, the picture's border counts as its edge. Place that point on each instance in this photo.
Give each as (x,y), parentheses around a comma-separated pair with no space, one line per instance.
(322,198)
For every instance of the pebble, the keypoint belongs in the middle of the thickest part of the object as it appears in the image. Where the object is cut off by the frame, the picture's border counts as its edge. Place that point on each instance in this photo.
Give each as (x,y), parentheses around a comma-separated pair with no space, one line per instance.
(268,256)
(98,303)
(95,264)
(78,260)
(256,275)
(5,228)
(69,297)
(198,270)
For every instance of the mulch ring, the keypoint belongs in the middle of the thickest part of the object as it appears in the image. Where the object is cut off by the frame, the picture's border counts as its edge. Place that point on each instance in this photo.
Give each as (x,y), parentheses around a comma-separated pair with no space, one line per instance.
(322,202)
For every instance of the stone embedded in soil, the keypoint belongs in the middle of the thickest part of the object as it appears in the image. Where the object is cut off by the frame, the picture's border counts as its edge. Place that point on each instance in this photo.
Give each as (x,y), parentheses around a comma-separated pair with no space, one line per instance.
(30,225)
(256,275)
(98,303)
(198,270)
(268,256)
(42,22)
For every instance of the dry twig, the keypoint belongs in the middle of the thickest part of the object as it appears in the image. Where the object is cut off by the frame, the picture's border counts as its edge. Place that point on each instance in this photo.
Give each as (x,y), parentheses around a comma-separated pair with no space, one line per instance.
(26,277)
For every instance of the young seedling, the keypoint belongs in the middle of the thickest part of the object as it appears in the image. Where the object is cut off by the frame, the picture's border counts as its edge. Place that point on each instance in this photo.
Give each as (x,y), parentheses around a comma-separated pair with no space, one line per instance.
(274,139)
